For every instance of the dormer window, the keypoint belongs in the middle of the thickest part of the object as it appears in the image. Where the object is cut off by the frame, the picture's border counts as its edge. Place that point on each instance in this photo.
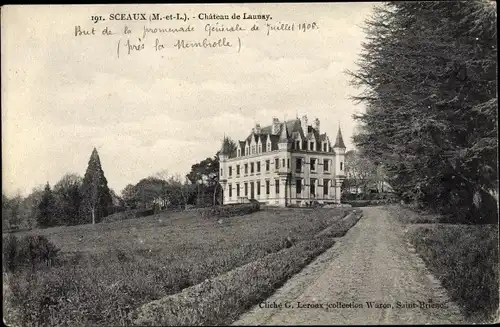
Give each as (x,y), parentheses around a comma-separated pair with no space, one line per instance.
(239,153)
(268,146)
(297,145)
(325,147)
(260,148)
(253,149)
(311,146)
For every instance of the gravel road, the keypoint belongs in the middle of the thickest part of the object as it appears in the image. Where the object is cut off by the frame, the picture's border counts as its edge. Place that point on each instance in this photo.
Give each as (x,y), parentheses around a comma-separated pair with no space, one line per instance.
(371,263)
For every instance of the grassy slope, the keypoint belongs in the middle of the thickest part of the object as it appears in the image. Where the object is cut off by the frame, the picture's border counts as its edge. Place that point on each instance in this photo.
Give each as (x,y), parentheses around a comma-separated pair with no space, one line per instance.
(463,257)
(111,269)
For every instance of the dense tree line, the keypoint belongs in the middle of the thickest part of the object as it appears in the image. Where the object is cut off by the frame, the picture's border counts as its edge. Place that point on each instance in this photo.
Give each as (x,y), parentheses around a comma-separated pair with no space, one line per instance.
(428,74)
(75,200)
(72,200)
(200,187)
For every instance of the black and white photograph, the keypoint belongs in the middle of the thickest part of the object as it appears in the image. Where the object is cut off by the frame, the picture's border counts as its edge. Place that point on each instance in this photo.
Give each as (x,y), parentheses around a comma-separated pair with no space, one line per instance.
(245,164)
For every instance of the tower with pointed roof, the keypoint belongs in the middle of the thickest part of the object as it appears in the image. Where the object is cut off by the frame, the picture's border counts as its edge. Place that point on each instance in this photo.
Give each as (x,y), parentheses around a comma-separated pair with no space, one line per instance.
(339,149)
(286,163)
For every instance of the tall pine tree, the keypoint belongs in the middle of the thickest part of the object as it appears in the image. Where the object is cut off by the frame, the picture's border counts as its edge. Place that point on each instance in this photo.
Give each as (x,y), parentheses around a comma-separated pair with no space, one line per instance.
(46,209)
(96,198)
(428,70)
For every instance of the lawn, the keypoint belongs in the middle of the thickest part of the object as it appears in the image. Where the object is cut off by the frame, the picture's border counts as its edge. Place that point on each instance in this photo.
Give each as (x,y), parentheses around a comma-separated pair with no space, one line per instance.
(463,257)
(109,270)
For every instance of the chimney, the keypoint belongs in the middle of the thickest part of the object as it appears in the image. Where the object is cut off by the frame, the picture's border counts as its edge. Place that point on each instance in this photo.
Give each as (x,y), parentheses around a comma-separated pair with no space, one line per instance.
(275,126)
(303,124)
(257,129)
(316,124)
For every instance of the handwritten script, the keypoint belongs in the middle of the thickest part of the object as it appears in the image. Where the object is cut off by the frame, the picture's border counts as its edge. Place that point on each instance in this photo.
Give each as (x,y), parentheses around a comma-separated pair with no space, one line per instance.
(133,33)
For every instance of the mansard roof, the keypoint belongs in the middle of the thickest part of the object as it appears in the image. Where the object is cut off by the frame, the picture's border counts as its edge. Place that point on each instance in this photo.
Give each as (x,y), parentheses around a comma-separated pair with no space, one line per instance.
(289,130)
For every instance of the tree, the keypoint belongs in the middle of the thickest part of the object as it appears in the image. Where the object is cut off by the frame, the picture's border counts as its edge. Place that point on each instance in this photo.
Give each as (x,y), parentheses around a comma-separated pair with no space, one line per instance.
(129,196)
(96,198)
(205,175)
(149,190)
(428,70)
(46,209)
(11,208)
(360,171)
(68,198)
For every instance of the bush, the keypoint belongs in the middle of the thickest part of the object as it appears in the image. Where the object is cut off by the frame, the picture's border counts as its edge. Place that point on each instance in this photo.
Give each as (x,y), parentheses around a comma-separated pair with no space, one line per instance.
(31,250)
(230,210)
(144,212)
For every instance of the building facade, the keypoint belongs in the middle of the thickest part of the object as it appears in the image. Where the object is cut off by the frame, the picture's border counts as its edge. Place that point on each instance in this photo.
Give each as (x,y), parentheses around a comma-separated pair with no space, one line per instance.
(286,163)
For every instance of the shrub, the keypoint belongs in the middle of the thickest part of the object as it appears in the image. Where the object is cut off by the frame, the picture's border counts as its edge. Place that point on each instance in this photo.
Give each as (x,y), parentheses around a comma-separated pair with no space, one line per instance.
(144,212)
(230,210)
(31,250)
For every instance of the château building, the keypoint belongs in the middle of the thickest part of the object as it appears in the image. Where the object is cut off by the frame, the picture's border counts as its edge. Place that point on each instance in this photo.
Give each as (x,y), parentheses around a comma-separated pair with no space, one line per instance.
(286,163)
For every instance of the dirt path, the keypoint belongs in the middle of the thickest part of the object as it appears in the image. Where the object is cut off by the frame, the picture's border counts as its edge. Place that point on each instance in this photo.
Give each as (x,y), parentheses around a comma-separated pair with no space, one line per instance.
(372,263)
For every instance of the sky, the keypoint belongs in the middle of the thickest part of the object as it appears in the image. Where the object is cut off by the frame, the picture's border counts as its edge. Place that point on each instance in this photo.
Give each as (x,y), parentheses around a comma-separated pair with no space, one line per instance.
(150,111)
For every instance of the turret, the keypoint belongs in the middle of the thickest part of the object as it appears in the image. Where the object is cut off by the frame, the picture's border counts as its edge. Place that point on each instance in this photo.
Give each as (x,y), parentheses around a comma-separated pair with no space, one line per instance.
(339,148)
(224,151)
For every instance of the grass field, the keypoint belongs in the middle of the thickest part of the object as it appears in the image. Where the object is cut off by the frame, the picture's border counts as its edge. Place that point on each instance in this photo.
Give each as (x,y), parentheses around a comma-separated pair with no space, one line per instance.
(109,270)
(463,257)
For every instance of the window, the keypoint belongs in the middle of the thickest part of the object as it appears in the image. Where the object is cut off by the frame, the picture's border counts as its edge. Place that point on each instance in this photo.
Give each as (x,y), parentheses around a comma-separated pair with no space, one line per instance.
(237,189)
(311,146)
(230,190)
(297,145)
(325,149)
(283,163)
(251,167)
(277,185)
(260,148)
(267,187)
(246,169)
(268,164)
(258,166)
(221,171)
(246,189)
(239,152)
(325,186)
(313,187)
(313,164)
(298,185)
(276,163)
(247,151)
(325,165)
(253,149)
(298,165)
(341,165)
(258,187)
(230,171)
(237,169)
(287,163)
(268,146)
